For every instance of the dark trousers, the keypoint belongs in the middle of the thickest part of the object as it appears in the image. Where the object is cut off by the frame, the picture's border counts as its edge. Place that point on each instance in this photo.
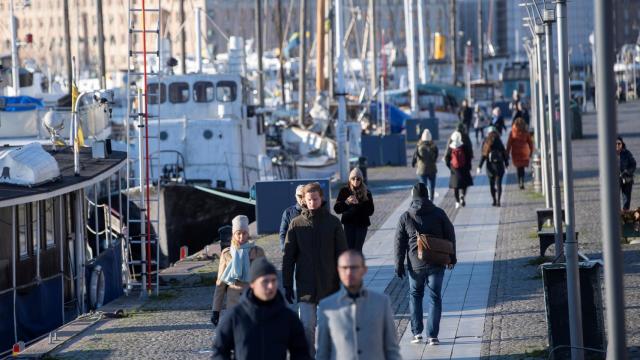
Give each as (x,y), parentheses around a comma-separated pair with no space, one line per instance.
(495,185)
(356,235)
(459,192)
(625,189)
(521,175)
(480,131)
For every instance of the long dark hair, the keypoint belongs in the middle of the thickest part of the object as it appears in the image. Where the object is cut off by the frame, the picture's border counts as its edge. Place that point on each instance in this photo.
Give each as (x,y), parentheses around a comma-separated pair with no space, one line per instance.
(488,143)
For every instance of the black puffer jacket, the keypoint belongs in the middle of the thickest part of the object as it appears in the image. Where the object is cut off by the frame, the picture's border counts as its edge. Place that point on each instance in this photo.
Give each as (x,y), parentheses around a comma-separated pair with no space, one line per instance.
(260,330)
(354,214)
(497,159)
(314,241)
(429,219)
(627,164)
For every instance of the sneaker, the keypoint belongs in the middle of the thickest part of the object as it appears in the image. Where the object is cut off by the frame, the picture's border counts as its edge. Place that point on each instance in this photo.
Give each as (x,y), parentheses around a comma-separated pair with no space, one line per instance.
(457,205)
(433,341)
(416,339)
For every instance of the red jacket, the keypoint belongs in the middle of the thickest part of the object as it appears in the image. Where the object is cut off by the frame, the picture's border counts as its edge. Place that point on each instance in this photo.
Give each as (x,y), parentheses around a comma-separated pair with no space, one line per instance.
(520,147)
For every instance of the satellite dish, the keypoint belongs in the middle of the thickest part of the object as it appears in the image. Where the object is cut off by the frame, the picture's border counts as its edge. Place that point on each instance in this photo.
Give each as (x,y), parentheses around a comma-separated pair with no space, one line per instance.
(54,124)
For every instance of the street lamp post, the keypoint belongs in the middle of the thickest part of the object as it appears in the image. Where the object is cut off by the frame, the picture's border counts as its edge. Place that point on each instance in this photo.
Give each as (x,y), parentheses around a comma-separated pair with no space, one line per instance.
(544,132)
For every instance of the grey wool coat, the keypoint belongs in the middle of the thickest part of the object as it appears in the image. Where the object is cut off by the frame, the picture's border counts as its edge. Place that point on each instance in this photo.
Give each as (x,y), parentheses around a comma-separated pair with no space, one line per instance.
(360,329)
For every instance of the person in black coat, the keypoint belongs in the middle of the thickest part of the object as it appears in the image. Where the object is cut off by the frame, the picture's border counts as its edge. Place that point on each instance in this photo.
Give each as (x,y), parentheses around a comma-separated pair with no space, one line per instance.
(496,157)
(424,218)
(465,115)
(355,203)
(289,214)
(458,159)
(627,170)
(261,326)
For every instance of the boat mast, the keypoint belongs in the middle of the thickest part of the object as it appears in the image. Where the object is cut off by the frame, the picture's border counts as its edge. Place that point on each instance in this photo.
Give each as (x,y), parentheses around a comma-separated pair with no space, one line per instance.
(372,47)
(15,67)
(198,40)
(183,40)
(303,63)
(102,67)
(258,38)
(341,134)
(453,35)
(67,46)
(320,80)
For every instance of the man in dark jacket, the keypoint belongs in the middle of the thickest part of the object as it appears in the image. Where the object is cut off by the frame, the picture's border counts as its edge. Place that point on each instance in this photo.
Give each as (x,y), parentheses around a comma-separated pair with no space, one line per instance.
(424,218)
(465,115)
(260,326)
(289,214)
(627,170)
(314,241)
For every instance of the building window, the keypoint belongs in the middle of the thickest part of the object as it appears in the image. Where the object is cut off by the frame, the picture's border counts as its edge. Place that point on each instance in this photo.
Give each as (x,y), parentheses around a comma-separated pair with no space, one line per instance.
(203,92)
(179,92)
(226,91)
(152,93)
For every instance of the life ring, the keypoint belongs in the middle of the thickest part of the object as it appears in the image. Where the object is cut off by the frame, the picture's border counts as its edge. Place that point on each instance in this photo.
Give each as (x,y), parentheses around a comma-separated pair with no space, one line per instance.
(96,288)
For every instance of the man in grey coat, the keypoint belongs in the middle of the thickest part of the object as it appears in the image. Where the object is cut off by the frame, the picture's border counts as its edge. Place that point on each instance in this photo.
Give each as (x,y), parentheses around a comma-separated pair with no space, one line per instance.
(355,323)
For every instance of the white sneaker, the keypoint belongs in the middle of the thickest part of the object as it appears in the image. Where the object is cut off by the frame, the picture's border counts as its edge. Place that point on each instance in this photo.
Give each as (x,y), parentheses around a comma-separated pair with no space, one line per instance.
(433,341)
(416,339)
(457,205)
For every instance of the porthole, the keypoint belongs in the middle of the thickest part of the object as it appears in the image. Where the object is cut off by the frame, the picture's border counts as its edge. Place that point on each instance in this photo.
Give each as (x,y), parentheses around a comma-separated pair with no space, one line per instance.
(207,134)
(164,135)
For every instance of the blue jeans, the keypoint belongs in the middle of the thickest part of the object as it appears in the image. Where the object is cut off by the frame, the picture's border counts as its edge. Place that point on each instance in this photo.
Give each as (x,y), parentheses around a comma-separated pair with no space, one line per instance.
(432,277)
(430,182)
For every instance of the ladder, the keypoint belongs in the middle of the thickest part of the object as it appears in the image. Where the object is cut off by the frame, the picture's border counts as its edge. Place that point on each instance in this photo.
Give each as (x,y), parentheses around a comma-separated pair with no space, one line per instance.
(144,48)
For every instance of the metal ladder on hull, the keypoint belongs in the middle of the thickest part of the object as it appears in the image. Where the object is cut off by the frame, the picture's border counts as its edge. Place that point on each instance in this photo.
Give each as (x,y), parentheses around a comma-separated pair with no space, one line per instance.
(144,47)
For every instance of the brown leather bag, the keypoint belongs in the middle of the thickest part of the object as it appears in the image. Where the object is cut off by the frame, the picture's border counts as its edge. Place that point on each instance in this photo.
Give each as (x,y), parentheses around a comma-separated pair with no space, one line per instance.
(433,250)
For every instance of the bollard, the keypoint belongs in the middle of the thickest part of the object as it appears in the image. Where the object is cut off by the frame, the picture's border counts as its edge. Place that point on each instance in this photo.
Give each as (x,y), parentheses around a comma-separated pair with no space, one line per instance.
(184,252)
(18,348)
(537,172)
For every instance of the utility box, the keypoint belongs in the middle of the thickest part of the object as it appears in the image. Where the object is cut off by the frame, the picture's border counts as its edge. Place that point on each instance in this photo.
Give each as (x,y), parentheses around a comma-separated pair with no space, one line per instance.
(554,278)
(273,197)
(387,150)
(415,127)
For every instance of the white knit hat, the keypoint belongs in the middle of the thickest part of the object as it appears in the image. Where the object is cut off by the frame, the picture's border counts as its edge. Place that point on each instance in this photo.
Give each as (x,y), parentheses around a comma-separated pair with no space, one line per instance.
(456,140)
(426,135)
(240,222)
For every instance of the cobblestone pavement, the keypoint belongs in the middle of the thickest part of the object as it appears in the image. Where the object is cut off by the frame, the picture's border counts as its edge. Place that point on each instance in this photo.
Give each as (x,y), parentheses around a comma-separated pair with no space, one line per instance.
(515,325)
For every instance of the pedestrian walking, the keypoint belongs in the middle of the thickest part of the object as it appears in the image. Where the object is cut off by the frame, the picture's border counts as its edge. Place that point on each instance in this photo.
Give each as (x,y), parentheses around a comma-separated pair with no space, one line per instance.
(520,146)
(465,114)
(346,328)
(355,203)
(233,270)
(458,159)
(424,221)
(497,120)
(314,240)
(627,170)
(520,112)
(495,156)
(261,326)
(290,213)
(515,100)
(480,121)
(424,160)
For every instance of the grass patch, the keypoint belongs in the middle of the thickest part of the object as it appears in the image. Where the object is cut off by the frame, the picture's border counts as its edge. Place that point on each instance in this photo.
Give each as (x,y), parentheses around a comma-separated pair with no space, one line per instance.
(163,296)
(207,280)
(532,235)
(532,195)
(537,261)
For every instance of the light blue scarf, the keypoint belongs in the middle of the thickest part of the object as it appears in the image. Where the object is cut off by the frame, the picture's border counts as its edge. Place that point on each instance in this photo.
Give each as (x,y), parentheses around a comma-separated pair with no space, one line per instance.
(238,268)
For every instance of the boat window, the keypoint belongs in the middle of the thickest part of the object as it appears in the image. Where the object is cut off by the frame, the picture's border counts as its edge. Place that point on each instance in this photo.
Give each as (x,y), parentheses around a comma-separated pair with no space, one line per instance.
(22,231)
(35,231)
(49,232)
(152,93)
(179,92)
(226,91)
(203,91)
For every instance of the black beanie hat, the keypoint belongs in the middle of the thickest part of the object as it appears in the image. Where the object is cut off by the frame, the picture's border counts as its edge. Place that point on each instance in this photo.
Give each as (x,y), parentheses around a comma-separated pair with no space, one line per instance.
(261,267)
(419,191)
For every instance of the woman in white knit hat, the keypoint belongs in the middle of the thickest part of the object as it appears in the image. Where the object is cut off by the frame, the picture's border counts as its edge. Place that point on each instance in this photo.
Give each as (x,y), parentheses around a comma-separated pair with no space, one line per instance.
(424,160)
(458,159)
(233,270)
(355,203)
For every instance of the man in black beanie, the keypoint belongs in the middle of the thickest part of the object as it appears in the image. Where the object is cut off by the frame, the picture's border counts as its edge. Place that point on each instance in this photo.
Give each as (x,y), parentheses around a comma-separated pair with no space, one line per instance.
(423,218)
(261,323)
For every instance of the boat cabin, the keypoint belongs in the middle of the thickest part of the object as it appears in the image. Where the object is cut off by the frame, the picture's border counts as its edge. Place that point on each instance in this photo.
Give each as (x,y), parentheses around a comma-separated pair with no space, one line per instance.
(49,251)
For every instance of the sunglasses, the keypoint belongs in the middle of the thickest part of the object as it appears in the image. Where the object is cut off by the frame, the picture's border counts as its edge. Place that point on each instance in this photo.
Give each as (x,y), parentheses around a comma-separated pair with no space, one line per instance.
(356,178)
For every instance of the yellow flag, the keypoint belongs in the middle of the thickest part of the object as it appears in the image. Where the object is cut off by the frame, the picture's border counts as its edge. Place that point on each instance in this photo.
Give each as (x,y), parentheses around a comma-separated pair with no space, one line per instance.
(79,140)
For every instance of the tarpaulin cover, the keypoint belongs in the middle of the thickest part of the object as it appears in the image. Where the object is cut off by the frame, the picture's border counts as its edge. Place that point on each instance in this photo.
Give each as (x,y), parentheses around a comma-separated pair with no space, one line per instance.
(6,322)
(110,261)
(395,116)
(39,309)
(20,103)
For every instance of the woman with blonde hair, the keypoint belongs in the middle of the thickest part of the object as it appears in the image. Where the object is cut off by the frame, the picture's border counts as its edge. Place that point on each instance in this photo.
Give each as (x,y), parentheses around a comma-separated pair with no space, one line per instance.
(520,146)
(355,203)
(233,270)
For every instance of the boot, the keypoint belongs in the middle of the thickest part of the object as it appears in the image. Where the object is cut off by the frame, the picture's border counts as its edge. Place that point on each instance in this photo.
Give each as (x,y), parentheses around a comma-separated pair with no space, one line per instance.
(521,182)
(493,196)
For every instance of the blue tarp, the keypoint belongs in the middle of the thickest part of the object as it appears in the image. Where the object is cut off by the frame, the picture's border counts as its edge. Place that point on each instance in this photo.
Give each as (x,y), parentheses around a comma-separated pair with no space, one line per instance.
(6,322)
(110,261)
(39,309)
(395,116)
(20,103)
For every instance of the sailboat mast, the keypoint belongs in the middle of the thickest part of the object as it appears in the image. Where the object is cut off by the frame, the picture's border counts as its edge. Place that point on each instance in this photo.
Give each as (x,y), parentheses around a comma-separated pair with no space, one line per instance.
(372,47)
(320,79)
(303,63)
(280,55)
(15,66)
(260,50)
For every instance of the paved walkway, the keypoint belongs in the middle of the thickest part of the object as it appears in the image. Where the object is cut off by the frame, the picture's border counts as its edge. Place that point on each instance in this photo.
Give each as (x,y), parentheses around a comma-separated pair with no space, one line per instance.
(465,289)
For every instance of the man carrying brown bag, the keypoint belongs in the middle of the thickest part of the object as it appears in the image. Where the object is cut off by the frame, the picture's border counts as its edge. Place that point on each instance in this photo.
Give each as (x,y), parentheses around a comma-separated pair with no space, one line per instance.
(421,237)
